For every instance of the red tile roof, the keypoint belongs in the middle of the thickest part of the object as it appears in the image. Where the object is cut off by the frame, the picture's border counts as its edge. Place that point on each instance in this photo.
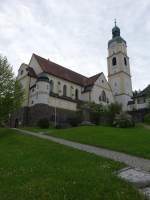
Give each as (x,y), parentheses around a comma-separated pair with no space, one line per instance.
(64,73)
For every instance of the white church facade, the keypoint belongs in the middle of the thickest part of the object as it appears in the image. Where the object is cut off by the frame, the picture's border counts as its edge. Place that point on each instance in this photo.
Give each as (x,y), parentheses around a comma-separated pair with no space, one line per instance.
(49,84)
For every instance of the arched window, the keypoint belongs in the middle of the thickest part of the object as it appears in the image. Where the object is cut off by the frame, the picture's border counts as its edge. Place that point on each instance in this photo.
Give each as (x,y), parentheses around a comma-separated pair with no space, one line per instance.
(65,90)
(59,87)
(125,61)
(71,91)
(76,94)
(104,96)
(114,61)
(51,86)
(100,98)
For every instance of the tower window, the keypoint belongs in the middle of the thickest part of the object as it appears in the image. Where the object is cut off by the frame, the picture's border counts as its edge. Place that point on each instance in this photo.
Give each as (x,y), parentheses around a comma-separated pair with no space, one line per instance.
(76,94)
(51,86)
(114,61)
(65,90)
(125,61)
(103,96)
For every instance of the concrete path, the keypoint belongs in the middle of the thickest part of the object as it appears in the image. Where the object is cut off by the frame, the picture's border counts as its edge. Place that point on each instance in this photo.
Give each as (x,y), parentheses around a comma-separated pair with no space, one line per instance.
(146,126)
(132,161)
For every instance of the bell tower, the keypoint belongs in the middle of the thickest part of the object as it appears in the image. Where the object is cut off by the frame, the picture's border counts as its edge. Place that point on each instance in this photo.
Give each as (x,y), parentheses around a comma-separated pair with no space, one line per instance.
(119,76)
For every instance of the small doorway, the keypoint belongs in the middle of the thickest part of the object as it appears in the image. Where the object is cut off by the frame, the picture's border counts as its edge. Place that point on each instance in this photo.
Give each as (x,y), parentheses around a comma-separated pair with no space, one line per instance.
(16,123)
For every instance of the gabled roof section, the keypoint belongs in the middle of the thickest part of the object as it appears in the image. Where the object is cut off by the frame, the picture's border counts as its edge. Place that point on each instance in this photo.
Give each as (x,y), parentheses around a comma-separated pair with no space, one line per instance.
(59,71)
(64,73)
(91,80)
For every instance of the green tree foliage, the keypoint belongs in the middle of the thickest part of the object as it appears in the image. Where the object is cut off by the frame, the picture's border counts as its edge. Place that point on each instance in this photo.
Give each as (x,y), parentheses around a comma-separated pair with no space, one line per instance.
(11,93)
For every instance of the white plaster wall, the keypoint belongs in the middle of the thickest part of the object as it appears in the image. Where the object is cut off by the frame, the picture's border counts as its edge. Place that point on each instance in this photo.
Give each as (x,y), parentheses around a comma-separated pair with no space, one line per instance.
(32,81)
(123,100)
(24,80)
(71,87)
(60,103)
(40,93)
(34,64)
(101,85)
(116,47)
(86,96)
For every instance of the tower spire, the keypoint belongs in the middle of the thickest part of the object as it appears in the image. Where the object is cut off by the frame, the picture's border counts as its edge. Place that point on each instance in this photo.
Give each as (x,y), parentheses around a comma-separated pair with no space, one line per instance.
(115,22)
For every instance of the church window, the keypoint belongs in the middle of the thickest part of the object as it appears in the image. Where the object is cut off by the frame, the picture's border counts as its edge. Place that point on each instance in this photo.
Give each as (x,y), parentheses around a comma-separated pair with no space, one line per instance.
(51,86)
(65,90)
(59,87)
(71,91)
(76,94)
(114,61)
(125,61)
(100,98)
(102,81)
(103,96)
(107,100)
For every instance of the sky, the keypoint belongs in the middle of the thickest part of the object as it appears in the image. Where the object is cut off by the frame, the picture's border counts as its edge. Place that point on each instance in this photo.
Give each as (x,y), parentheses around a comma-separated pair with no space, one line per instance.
(75,33)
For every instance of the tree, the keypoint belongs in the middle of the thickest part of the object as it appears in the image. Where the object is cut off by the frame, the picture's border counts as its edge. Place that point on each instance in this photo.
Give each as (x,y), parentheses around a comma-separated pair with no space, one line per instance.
(11,93)
(113,109)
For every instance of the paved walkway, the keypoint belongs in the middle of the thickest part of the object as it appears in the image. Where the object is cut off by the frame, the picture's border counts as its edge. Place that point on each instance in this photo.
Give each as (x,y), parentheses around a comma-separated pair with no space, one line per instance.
(129,160)
(146,126)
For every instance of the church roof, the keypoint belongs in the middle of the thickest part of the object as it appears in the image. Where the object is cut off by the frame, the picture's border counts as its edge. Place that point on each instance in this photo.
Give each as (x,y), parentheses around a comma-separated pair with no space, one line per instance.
(64,73)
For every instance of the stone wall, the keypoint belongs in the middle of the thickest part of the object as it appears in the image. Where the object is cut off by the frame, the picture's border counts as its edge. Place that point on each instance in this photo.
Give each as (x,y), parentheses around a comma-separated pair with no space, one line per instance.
(29,116)
(20,117)
(138,115)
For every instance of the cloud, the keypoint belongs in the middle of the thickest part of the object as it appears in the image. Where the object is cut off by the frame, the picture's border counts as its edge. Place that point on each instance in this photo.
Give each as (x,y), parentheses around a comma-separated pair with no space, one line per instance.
(75,33)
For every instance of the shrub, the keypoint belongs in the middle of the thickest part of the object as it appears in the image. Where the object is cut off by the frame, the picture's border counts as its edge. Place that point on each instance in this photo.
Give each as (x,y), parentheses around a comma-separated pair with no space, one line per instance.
(112,110)
(123,120)
(147,118)
(43,123)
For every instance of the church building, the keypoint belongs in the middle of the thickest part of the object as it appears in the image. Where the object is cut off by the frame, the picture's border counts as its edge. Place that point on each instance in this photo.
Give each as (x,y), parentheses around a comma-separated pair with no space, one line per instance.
(51,88)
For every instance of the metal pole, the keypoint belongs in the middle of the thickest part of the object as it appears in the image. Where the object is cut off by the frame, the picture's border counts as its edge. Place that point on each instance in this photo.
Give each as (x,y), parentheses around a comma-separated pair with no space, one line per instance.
(55,117)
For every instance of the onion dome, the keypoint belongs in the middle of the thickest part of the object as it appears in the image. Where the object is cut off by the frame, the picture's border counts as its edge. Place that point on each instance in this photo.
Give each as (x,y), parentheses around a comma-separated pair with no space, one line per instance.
(115,31)
(116,36)
(43,77)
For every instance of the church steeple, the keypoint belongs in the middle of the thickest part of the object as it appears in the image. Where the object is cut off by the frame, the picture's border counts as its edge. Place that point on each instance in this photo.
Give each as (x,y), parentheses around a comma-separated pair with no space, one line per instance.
(119,76)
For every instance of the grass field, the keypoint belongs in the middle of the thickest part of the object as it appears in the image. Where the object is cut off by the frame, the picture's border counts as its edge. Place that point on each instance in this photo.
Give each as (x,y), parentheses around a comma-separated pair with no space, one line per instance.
(37,169)
(135,141)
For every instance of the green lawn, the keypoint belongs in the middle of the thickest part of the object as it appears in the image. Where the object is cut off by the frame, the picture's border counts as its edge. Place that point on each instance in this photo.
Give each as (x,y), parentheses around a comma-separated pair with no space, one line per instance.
(37,169)
(37,129)
(134,141)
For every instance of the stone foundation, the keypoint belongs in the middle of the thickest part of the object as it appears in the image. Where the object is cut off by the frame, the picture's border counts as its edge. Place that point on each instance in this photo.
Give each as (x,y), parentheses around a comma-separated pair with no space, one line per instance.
(138,115)
(29,116)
